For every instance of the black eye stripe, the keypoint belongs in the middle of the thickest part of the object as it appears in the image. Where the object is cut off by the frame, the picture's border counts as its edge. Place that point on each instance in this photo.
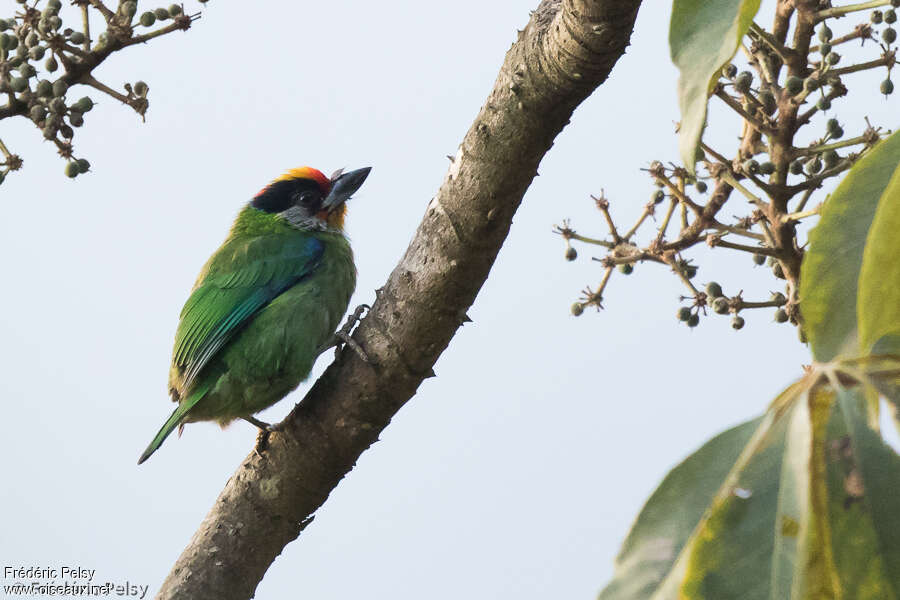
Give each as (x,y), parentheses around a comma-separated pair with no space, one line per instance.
(308,197)
(281,195)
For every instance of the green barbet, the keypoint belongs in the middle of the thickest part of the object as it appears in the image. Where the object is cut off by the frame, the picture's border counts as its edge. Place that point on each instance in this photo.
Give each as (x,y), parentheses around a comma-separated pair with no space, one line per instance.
(266,303)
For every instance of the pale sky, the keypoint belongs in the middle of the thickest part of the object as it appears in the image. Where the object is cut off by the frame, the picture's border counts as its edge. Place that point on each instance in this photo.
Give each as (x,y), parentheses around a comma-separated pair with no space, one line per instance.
(516,472)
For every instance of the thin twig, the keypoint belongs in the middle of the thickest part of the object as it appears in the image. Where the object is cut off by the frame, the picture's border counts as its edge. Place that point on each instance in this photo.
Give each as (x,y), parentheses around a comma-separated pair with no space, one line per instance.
(840,11)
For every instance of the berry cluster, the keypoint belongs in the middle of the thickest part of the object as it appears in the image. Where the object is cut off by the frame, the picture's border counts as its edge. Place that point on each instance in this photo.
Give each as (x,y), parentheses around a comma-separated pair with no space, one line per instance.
(783,89)
(41,60)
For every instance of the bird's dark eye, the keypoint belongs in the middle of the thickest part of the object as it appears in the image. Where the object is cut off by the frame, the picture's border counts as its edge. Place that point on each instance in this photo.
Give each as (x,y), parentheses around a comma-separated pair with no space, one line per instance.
(309,199)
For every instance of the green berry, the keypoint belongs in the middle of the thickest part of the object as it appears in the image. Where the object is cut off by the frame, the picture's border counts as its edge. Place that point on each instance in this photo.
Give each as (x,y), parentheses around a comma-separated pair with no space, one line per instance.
(51,64)
(684,313)
(811,84)
(37,53)
(701,187)
(830,158)
(825,48)
(887,87)
(737,322)
(37,113)
(781,316)
(66,131)
(759,259)
(129,9)
(767,168)
(58,106)
(823,103)
(26,70)
(720,306)
(55,22)
(876,17)
(5,41)
(889,35)
(796,167)
(793,85)
(833,58)
(571,253)
(83,165)
(626,269)
(76,119)
(832,125)
(174,10)
(657,196)
(54,5)
(44,89)
(18,84)
(141,89)
(751,166)
(32,40)
(72,169)
(825,33)
(49,132)
(60,88)
(84,105)
(690,271)
(729,71)
(743,81)
(161,14)
(890,16)
(777,271)
(148,19)
(693,321)
(778,297)
(4,25)
(77,38)
(713,290)
(577,309)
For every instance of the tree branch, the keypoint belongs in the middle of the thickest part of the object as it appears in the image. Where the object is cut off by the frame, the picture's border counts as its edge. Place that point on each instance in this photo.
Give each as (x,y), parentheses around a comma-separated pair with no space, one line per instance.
(565,52)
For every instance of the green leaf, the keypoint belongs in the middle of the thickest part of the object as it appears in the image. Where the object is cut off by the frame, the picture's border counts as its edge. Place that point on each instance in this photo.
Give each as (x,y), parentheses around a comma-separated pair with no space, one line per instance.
(671,514)
(831,267)
(703,37)
(779,525)
(870,471)
(723,493)
(748,546)
(878,304)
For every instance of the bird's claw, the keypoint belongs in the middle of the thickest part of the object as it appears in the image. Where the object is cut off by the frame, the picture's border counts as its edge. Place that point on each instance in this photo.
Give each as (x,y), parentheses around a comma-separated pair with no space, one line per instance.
(342,337)
(352,344)
(265,430)
(262,442)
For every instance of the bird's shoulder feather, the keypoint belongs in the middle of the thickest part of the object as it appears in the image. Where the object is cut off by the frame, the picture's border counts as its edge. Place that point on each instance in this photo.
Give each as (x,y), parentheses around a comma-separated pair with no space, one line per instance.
(242,277)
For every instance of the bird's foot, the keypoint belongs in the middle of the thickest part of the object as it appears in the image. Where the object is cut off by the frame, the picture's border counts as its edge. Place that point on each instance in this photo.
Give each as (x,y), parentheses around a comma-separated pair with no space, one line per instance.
(265,430)
(262,442)
(342,337)
(263,426)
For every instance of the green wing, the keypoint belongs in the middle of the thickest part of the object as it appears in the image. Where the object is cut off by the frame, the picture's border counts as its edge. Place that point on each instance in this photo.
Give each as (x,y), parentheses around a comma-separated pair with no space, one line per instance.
(242,277)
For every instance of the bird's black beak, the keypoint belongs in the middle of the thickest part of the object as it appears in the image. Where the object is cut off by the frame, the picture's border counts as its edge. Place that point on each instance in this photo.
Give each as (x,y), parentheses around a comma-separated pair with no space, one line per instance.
(344,185)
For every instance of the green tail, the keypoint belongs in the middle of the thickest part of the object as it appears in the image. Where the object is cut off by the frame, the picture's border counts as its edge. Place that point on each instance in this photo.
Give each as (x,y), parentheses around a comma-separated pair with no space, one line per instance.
(177,415)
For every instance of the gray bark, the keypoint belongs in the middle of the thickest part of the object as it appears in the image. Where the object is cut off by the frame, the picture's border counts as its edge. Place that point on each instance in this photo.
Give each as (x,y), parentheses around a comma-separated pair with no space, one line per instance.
(567,49)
